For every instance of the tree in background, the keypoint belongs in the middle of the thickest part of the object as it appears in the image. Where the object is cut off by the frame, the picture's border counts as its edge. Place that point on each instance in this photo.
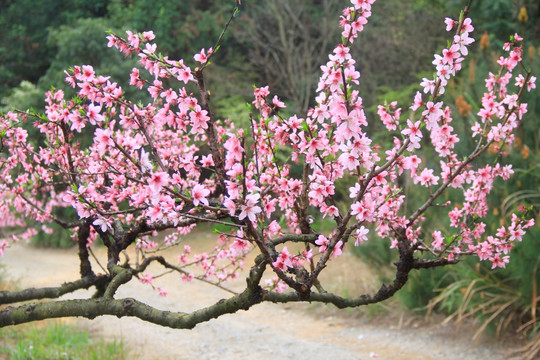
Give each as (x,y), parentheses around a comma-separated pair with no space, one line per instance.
(23,51)
(170,165)
(182,25)
(43,38)
(287,44)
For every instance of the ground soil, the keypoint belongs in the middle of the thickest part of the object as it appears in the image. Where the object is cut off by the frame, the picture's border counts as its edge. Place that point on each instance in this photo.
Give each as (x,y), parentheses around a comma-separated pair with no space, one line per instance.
(266,331)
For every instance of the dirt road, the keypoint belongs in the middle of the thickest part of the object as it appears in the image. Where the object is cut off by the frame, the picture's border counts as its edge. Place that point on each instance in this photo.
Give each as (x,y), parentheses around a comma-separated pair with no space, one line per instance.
(266,331)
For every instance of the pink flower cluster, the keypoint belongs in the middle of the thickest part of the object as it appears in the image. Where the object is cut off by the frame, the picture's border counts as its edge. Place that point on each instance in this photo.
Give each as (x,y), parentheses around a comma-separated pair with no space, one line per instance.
(171,164)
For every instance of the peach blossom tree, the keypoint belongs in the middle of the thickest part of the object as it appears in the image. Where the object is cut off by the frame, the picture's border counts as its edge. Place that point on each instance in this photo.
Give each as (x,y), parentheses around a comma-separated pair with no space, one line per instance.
(167,166)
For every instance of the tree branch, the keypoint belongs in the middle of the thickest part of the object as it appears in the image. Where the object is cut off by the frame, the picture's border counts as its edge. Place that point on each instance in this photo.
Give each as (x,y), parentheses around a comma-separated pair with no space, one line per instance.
(10,297)
(405,264)
(210,132)
(82,238)
(92,308)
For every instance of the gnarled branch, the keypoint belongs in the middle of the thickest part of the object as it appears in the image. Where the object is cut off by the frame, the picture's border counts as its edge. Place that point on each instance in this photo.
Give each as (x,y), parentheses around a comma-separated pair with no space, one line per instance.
(10,297)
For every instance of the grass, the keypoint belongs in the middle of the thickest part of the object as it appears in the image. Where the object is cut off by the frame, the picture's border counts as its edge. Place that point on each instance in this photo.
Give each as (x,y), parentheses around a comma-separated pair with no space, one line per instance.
(55,341)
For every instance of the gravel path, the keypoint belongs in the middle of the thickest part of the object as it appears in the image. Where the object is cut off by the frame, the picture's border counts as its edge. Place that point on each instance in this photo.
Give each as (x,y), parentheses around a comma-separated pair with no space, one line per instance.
(266,331)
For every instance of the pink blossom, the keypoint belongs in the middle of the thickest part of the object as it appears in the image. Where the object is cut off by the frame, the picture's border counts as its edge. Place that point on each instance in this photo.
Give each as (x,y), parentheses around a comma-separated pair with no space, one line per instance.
(239,247)
(199,194)
(531,83)
(269,206)
(201,57)
(283,261)
(361,235)
(234,149)
(341,54)
(463,41)
(158,180)
(103,138)
(148,35)
(87,73)
(150,48)
(331,211)
(250,208)
(273,228)
(187,278)
(278,103)
(497,261)
(207,161)
(413,130)
(3,245)
(230,205)
(516,232)
(449,23)
(146,165)
(450,54)
(93,114)
(428,85)
(154,213)
(323,243)
(162,292)
(146,278)
(467,25)
(199,119)
(426,178)
(337,249)
(417,101)
(438,240)
(103,224)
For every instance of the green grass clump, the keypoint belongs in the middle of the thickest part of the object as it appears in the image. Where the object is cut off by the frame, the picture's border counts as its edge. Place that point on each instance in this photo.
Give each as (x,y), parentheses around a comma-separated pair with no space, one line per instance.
(55,341)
